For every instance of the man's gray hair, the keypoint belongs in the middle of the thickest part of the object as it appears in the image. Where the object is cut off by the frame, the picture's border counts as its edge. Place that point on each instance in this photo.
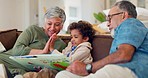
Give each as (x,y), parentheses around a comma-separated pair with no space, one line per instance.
(55,12)
(127,6)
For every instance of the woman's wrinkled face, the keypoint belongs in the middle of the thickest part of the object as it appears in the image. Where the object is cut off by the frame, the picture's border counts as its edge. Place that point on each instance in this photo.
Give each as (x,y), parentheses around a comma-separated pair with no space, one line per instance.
(53,25)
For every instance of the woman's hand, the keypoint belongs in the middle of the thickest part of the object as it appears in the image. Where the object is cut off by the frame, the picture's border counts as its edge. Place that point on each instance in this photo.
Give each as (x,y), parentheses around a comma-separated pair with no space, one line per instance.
(78,68)
(48,47)
(52,42)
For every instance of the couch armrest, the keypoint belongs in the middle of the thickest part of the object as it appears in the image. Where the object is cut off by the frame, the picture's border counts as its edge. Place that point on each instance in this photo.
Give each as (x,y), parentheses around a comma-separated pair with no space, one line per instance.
(8,38)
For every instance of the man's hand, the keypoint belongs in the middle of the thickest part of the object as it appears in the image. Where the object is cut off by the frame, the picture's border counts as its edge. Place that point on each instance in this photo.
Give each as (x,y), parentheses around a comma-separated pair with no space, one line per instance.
(78,68)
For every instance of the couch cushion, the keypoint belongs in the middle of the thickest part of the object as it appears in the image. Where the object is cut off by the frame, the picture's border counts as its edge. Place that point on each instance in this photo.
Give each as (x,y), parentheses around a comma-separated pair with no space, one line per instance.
(8,38)
(101,46)
(2,48)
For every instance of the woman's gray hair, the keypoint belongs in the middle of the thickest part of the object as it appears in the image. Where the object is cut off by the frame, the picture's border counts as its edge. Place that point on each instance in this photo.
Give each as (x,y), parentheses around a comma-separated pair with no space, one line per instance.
(127,6)
(55,12)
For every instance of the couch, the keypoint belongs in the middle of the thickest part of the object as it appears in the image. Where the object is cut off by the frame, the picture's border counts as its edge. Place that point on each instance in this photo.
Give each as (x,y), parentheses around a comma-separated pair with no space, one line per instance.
(101,43)
(8,38)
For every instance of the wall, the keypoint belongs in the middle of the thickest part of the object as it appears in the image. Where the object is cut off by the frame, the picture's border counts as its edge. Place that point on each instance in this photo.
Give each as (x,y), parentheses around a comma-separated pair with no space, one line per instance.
(85,10)
(75,15)
(17,14)
(22,13)
(91,6)
(11,14)
(44,5)
(33,12)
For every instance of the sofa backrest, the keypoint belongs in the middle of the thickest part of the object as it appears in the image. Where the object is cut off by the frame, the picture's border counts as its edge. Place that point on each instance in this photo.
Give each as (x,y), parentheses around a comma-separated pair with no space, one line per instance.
(101,45)
(8,38)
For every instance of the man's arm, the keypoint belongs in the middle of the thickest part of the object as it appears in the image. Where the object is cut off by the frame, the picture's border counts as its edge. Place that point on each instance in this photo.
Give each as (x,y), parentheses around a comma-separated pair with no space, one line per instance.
(123,54)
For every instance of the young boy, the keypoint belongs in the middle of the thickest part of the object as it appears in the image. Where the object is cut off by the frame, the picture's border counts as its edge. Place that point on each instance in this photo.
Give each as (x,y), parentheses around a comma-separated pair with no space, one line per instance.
(78,48)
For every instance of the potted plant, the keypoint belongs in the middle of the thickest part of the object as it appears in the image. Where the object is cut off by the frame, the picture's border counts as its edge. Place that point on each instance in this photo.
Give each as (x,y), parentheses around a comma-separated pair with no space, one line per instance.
(102,27)
(100,16)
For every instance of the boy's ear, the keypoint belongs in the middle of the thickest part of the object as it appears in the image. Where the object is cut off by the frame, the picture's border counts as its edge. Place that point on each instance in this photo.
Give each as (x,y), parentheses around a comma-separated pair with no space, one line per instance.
(85,39)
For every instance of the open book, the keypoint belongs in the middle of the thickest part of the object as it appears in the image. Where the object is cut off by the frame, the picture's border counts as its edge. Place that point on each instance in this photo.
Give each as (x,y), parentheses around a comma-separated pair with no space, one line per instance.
(52,61)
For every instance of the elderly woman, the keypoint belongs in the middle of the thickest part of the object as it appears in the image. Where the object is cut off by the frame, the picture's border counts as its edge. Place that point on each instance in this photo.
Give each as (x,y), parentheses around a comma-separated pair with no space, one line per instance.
(36,40)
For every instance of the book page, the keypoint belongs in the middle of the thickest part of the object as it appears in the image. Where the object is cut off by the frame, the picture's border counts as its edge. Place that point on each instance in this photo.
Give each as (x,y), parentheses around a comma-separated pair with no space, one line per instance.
(52,61)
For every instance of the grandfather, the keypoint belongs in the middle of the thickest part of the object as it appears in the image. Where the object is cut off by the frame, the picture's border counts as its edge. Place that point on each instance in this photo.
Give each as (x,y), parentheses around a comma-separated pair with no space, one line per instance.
(128,56)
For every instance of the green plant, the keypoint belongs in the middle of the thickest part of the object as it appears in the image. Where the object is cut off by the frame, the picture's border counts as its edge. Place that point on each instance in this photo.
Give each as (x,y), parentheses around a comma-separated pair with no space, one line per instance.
(100,16)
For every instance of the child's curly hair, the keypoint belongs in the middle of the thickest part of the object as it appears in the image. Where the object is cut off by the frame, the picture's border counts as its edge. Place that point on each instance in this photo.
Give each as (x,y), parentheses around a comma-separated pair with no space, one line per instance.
(84,27)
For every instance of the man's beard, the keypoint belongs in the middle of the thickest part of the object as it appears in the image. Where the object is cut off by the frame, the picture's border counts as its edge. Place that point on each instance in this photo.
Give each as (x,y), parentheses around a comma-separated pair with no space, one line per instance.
(112,33)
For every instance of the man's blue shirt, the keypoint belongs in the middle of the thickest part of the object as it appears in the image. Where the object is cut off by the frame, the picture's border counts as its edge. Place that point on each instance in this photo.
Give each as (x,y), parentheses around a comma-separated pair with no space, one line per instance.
(133,32)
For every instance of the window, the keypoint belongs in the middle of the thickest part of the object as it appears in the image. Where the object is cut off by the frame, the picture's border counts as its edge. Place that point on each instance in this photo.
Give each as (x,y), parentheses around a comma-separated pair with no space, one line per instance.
(72,11)
(141,3)
(73,14)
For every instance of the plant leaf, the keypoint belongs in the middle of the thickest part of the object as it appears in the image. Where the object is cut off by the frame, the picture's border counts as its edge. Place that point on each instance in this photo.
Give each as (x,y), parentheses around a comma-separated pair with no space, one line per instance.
(100,16)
